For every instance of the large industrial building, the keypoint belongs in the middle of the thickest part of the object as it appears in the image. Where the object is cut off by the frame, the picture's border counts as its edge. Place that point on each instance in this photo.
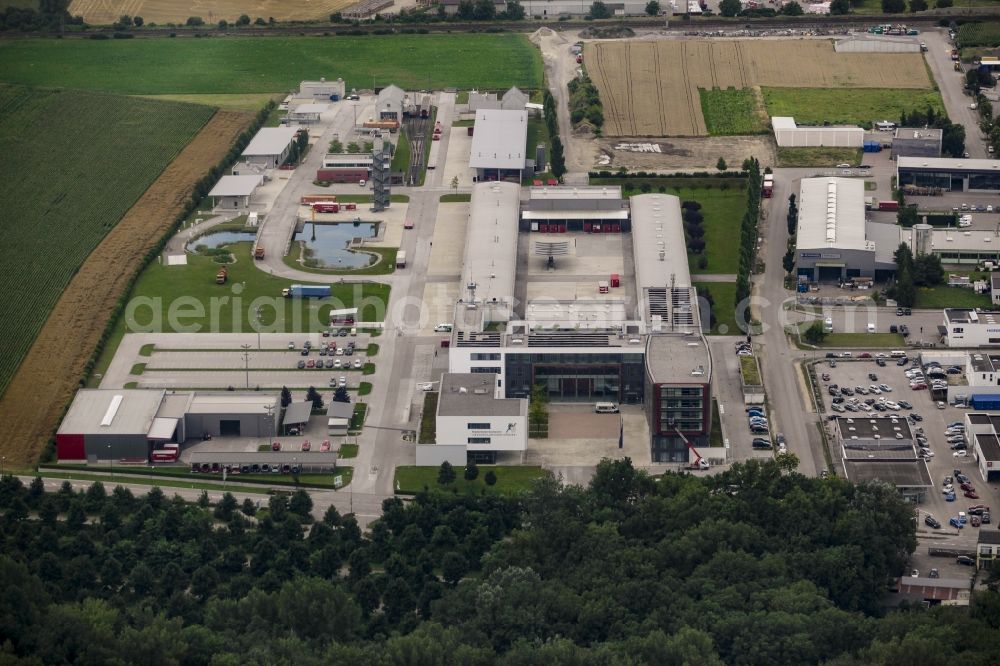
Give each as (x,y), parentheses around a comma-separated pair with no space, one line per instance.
(882,449)
(834,243)
(128,424)
(389,104)
(643,346)
(953,246)
(270,147)
(982,429)
(326,90)
(788,134)
(950,174)
(498,144)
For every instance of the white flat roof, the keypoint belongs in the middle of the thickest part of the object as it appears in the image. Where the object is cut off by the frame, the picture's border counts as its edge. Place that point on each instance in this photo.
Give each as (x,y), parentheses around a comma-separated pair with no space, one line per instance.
(782,122)
(657,227)
(958,240)
(491,241)
(162,428)
(270,141)
(111,412)
(498,141)
(236,186)
(231,403)
(832,214)
(613,192)
(311,108)
(947,163)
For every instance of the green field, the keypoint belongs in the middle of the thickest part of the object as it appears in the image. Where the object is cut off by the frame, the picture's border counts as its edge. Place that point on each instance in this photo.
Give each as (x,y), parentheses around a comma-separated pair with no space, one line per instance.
(818,157)
(731,112)
(847,106)
(401,155)
(510,480)
(951,297)
(237,65)
(978,34)
(192,289)
(456,197)
(73,163)
(723,293)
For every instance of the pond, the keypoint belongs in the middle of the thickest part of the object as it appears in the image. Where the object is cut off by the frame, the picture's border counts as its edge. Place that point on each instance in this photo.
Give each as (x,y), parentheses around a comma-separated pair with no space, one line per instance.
(330,247)
(214,239)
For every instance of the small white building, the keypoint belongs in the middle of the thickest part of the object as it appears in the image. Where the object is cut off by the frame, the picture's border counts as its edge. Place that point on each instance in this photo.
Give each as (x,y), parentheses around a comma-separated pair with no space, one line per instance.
(323,89)
(235,192)
(499,144)
(270,147)
(389,105)
(474,421)
(789,135)
(307,113)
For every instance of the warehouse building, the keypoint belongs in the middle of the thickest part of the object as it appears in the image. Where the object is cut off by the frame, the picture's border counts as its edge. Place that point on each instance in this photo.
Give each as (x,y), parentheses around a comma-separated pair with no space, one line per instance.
(128,424)
(345,167)
(474,422)
(983,430)
(598,209)
(235,192)
(325,90)
(389,104)
(499,144)
(307,114)
(882,449)
(834,242)
(949,174)
(270,147)
(953,246)
(789,135)
(916,142)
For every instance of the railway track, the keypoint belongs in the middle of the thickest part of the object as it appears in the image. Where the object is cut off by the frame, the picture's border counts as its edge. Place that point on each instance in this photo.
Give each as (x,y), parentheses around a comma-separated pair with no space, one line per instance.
(695,25)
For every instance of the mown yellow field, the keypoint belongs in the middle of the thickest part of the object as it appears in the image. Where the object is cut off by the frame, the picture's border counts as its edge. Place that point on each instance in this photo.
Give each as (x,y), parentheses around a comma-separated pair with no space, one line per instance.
(650,88)
(100,12)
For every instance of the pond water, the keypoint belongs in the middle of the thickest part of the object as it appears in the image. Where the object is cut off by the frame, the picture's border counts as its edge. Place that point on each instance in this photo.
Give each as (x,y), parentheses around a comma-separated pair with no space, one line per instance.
(330,246)
(215,239)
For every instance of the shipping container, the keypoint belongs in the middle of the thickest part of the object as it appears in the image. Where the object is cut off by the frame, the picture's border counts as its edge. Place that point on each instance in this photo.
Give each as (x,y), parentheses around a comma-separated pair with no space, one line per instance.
(326,207)
(888,205)
(306,291)
(341,175)
(401,259)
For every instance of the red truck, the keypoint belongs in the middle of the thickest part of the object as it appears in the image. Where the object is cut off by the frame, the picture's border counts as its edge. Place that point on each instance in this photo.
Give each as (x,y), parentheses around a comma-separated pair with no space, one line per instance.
(326,207)
(888,205)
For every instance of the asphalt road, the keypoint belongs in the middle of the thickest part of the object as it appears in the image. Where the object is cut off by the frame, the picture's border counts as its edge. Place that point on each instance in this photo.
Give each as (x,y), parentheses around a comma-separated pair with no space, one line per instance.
(951,85)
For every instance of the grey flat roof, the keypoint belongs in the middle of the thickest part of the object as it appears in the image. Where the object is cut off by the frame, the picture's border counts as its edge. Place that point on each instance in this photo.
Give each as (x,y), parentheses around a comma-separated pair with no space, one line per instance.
(126,412)
(269,457)
(947,164)
(340,410)
(979,418)
(832,214)
(499,139)
(270,141)
(880,452)
(969,316)
(174,405)
(989,446)
(886,240)
(946,239)
(575,215)
(491,242)
(310,108)
(864,427)
(472,394)
(233,403)
(612,192)
(671,358)
(989,536)
(922,132)
(298,412)
(981,362)
(902,474)
(236,186)
(657,227)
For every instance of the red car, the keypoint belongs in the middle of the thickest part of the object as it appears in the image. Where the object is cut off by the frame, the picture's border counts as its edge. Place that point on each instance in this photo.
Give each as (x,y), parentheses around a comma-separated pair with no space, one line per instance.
(275,446)
(971,494)
(864,355)
(306,445)
(966,486)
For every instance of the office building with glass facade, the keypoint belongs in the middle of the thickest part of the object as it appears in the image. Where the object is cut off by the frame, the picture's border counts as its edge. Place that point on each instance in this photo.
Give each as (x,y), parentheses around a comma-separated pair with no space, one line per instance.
(950,174)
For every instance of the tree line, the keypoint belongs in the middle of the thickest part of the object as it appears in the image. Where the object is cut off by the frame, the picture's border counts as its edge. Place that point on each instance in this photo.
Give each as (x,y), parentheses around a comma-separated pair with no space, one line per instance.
(749,566)
(748,238)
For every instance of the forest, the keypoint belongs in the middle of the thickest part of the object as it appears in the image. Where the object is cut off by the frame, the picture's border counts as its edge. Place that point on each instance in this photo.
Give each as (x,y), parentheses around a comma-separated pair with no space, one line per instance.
(753,565)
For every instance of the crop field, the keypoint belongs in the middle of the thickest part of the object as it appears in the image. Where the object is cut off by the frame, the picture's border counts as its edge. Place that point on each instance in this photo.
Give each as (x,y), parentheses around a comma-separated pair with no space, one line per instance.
(813,106)
(44,383)
(103,12)
(239,65)
(73,163)
(978,34)
(670,104)
(732,112)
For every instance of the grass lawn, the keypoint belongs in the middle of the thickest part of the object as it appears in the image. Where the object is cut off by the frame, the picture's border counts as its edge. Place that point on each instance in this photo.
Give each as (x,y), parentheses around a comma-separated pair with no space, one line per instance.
(358,417)
(723,210)
(951,297)
(183,472)
(724,295)
(162,482)
(468,123)
(348,451)
(462,97)
(364,388)
(864,340)
(750,370)
(401,156)
(187,299)
(240,65)
(818,157)
(731,112)
(385,265)
(847,106)
(428,419)
(372,349)
(510,480)
(456,197)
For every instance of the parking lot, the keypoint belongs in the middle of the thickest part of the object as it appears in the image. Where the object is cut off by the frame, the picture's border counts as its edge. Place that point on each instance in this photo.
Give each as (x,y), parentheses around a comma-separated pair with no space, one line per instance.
(732,410)
(853,373)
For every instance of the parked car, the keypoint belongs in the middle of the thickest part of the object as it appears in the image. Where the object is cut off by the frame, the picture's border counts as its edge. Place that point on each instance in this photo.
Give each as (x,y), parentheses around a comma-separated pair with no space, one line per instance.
(760,443)
(977,509)
(329,363)
(956,523)
(985,518)
(975,521)
(302,365)
(966,560)
(933,574)
(310,363)
(291,345)
(961,454)
(972,494)
(357,364)
(931,521)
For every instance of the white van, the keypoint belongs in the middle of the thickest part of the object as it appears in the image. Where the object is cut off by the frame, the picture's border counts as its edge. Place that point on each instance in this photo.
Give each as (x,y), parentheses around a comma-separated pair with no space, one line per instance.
(605,408)
(871,328)
(897,354)
(828,325)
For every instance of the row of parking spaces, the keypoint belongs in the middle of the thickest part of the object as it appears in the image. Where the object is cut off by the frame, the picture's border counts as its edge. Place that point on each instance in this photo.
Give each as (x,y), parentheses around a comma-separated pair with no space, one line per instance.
(732,409)
(239,379)
(930,420)
(253,361)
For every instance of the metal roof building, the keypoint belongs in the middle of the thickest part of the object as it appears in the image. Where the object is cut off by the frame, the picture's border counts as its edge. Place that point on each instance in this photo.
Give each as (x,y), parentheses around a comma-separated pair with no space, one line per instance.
(789,135)
(270,146)
(575,209)
(389,105)
(498,144)
(664,292)
(487,287)
(235,192)
(950,174)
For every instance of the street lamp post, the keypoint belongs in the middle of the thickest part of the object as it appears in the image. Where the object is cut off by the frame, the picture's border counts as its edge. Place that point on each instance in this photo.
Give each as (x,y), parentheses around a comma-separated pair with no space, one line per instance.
(246,362)
(256,313)
(111,459)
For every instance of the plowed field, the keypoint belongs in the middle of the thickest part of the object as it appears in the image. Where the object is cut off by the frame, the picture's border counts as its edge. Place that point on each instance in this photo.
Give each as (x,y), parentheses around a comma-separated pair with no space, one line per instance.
(44,384)
(98,12)
(650,88)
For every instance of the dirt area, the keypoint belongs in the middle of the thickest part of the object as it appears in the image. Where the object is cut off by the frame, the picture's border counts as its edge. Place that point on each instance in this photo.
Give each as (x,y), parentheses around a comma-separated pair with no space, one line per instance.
(44,384)
(683,153)
(97,12)
(668,73)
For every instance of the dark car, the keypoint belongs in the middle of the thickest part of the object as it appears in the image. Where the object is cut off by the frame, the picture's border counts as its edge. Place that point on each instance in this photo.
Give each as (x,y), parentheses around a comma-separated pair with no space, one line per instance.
(760,443)
(880,362)
(831,355)
(972,494)
(904,329)
(326,334)
(905,404)
(907,311)
(985,517)
(305,351)
(903,361)
(966,560)
(978,509)
(302,364)
(872,377)
(894,329)
(899,312)
(931,521)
